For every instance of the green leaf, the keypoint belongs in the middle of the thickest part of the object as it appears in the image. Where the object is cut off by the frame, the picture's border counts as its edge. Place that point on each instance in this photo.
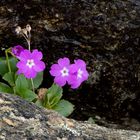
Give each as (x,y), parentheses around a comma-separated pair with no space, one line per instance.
(64,107)
(5,88)
(22,90)
(26,94)
(16,76)
(37,81)
(39,103)
(13,61)
(4,67)
(21,83)
(53,96)
(9,77)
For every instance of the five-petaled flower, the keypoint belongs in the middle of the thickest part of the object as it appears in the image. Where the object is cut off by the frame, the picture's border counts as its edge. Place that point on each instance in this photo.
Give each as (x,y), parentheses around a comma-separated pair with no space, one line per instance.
(16,50)
(78,73)
(61,71)
(73,74)
(30,63)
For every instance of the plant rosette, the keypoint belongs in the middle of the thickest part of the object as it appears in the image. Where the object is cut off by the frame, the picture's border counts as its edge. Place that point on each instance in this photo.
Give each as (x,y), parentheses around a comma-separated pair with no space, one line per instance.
(22,74)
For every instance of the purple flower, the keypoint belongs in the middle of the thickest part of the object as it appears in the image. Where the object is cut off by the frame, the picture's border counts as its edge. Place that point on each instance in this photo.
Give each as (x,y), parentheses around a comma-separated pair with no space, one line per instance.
(30,63)
(78,73)
(16,50)
(61,71)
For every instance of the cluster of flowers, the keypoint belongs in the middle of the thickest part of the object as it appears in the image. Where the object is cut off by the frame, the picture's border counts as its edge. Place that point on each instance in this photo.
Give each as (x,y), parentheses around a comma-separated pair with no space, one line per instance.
(73,74)
(30,64)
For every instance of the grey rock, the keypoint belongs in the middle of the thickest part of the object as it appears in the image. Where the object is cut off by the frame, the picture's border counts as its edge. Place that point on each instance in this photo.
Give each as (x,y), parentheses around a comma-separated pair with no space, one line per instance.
(105,33)
(21,120)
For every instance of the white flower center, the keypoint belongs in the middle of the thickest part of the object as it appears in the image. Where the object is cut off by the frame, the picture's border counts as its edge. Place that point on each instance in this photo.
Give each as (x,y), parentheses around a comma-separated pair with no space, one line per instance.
(30,63)
(64,72)
(80,73)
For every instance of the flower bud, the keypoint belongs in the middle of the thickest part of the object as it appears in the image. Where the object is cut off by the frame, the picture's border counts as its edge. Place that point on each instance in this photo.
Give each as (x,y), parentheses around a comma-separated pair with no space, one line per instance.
(16,50)
(25,31)
(28,27)
(18,29)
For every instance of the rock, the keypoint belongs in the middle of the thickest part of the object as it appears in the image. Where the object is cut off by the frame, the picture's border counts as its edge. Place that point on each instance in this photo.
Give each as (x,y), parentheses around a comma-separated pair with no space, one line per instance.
(20,119)
(103,33)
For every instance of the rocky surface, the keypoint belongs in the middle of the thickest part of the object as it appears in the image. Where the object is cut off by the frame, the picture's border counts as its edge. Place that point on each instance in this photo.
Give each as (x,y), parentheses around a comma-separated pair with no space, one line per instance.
(20,119)
(104,33)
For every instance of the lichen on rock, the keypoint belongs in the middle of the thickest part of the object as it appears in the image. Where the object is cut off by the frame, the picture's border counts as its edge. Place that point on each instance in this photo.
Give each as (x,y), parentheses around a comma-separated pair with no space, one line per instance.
(20,119)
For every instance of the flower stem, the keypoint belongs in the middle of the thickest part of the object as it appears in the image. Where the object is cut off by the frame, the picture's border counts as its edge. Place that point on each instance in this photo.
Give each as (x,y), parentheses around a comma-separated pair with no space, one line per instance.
(29,46)
(7,59)
(33,87)
(27,39)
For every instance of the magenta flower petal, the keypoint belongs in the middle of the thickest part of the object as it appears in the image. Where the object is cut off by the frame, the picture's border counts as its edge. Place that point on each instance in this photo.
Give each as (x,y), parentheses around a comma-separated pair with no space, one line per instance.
(55,70)
(78,73)
(73,68)
(21,65)
(39,66)
(37,53)
(16,50)
(19,72)
(73,74)
(30,63)
(30,74)
(60,81)
(80,62)
(55,67)
(61,71)
(85,75)
(64,62)
(24,55)
(75,85)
